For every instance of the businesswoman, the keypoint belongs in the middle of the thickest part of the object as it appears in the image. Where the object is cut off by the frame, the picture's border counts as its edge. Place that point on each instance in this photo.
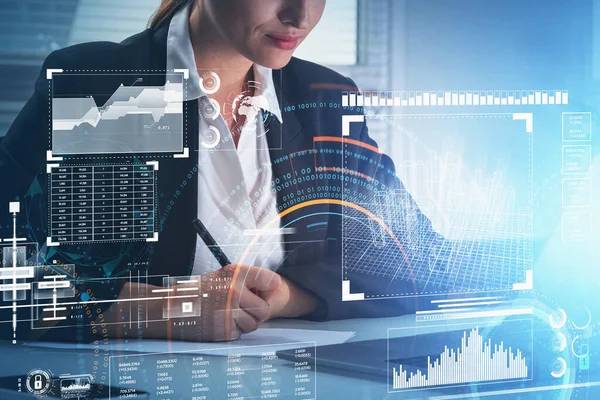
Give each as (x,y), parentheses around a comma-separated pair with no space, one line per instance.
(228,46)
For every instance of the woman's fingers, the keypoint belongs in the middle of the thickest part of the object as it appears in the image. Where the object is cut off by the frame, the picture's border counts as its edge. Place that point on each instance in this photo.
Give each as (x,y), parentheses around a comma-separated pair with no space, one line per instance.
(245,322)
(261,279)
(254,305)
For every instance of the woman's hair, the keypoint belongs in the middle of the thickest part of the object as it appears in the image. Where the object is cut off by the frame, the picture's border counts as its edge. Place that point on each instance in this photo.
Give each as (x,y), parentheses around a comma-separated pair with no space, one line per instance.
(166,10)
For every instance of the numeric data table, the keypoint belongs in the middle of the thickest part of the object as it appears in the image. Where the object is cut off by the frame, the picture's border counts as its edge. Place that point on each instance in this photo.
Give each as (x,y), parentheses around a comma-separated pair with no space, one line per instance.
(102,203)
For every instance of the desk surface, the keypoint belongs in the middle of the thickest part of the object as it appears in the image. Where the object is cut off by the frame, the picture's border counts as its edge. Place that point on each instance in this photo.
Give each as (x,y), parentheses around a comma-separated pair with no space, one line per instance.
(327,385)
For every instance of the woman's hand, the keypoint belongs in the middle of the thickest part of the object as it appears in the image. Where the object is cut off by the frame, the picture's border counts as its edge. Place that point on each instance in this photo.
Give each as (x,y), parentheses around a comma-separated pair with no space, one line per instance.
(234,300)
(242,307)
(290,301)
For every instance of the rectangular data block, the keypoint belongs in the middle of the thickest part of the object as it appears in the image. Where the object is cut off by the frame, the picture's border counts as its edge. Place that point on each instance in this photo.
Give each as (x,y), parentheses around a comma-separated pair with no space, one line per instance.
(576,159)
(128,117)
(19,272)
(576,192)
(54,285)
(577,126)
(576,227)
(102,203)
(16,286)
(229,372)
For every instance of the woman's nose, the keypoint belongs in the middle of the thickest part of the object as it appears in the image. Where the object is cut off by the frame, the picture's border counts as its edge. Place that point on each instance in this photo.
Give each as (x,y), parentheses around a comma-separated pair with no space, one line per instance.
(296,13)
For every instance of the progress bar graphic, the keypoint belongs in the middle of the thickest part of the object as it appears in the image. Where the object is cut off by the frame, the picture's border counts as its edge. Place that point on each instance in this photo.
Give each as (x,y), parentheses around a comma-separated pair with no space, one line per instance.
(434,98)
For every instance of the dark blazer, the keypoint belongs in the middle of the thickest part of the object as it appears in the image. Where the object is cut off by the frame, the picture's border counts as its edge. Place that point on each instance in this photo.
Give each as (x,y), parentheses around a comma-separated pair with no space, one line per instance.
(313,257)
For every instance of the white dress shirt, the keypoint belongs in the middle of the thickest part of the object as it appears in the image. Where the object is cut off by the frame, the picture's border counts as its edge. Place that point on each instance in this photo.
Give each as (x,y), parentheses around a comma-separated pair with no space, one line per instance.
(235,197)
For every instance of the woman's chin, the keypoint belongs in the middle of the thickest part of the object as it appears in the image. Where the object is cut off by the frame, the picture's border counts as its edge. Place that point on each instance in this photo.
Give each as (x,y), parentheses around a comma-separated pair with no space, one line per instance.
(275,61)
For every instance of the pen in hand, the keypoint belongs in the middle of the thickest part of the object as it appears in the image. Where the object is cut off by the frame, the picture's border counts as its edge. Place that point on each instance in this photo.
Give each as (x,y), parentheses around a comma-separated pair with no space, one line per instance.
(211,243)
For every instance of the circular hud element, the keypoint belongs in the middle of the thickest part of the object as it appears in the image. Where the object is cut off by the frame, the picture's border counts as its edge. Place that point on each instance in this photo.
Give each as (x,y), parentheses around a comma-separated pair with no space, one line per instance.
(209,109)
(210,82)
(558,367)
(210,137)
(559,342)
(38,382)
(557,318)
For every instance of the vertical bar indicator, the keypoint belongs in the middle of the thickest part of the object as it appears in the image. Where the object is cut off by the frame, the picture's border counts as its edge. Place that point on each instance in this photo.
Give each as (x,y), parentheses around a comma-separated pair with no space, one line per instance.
(367,99)
(360,99)
(344,99)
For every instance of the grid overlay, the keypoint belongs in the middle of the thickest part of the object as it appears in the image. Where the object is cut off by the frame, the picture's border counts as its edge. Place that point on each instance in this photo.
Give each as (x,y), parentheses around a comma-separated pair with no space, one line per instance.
(490,247)
(439,266)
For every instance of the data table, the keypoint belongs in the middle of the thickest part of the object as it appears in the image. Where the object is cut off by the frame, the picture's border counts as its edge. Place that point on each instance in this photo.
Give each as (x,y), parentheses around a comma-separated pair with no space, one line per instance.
(102,203)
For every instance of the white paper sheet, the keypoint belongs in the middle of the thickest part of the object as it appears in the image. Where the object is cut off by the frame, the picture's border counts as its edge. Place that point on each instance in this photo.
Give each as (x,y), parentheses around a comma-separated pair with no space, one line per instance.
(251,344)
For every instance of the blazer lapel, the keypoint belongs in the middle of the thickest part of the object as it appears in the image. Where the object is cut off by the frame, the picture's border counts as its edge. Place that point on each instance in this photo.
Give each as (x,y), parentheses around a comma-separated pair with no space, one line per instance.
(177,181)
(284,141)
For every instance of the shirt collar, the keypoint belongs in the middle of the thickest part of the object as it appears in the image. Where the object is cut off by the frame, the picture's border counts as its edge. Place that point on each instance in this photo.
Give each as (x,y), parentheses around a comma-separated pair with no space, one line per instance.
(180,55)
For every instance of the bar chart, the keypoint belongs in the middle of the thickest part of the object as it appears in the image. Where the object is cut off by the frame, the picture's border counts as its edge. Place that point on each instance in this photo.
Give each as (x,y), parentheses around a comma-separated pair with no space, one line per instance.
(475,358)
(440,98)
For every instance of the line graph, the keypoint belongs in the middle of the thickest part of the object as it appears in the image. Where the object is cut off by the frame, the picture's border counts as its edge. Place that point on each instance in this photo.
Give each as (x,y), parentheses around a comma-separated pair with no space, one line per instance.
(135,117)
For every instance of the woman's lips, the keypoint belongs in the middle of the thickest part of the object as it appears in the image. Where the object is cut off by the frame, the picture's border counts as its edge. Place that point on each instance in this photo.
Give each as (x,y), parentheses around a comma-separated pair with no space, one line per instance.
(284,42)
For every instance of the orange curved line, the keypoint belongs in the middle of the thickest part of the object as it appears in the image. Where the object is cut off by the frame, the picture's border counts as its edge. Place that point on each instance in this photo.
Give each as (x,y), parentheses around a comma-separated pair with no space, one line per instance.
(298,207)
(347,140)
(347,171)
